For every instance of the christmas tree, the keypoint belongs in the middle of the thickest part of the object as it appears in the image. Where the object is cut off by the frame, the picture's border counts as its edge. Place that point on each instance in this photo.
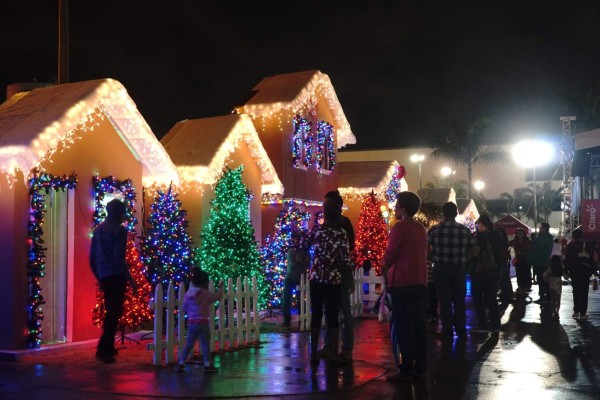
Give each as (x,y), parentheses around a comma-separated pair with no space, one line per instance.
(228,248)
(274,251)
(166,247)
(135,308)
(371,233)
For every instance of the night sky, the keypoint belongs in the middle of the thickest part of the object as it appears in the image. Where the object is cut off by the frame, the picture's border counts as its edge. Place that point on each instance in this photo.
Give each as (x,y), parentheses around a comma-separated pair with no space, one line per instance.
(402,70)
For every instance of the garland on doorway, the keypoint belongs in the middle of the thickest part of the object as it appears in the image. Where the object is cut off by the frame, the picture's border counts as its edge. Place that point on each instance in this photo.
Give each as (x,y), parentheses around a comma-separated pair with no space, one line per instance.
(40,185)
(110,184)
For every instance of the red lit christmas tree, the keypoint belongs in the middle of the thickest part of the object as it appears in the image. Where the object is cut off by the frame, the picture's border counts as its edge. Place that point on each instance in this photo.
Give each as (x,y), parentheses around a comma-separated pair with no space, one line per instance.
(135,308)
(371,233)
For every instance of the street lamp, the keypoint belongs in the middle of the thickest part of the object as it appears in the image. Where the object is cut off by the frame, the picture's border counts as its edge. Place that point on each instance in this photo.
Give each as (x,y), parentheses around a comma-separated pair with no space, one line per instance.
(532,154)
(479,185)
(446,171)
(418,158)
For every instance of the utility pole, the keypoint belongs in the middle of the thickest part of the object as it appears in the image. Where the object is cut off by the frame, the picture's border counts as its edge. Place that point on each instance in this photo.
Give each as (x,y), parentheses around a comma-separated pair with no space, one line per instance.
(566,159)
(63,41)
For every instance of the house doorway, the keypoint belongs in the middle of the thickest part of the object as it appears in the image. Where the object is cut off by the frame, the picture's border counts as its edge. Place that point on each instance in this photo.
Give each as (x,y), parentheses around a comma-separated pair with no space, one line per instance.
(55,283)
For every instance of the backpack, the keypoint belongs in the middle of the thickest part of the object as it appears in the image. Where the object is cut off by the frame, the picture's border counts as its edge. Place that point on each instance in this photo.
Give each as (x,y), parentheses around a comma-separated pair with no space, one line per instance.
(485,261)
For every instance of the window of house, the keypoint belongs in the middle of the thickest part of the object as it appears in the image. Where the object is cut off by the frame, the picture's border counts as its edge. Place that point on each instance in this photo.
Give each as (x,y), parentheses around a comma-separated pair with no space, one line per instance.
(325,147)
(302,143)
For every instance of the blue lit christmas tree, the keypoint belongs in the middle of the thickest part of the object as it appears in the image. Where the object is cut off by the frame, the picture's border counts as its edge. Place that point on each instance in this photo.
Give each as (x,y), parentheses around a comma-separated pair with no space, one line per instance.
(228,248)
(166,246)
(274,251)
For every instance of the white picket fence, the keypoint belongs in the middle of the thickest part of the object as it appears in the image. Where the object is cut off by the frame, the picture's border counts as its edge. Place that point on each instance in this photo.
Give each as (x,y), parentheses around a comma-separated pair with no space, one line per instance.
(358,300)
(231,326)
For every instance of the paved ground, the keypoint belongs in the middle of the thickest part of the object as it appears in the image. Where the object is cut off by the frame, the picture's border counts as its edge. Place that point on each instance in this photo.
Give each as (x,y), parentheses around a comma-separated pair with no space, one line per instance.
(534,358)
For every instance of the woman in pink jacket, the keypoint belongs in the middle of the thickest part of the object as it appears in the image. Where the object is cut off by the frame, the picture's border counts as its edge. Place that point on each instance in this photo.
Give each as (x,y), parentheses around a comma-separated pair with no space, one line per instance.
(405,266)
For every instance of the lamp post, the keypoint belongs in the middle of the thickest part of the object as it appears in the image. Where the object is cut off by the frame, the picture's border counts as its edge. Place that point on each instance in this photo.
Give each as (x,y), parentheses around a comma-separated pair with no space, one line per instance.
(418,158)
(479,185)
(532,154)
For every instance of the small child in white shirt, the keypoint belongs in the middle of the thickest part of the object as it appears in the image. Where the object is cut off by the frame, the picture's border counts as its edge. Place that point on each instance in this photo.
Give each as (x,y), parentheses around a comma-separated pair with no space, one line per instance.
(196,304)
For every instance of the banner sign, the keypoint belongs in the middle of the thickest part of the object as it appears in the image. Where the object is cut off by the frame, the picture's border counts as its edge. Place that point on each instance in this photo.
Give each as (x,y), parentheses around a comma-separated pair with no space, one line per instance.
(590,216)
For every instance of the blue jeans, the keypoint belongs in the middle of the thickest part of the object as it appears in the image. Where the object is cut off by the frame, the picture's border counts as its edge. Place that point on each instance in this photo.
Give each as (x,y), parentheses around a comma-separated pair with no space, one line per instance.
(197,332)
(409,305)
(484,288)
(451,284)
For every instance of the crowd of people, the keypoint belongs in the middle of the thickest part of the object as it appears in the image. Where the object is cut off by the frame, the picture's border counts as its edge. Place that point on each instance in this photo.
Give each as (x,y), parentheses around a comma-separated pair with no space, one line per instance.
(423,269)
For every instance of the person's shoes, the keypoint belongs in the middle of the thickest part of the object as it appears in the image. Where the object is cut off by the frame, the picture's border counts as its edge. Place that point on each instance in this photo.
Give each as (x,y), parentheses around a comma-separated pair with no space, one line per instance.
(575,314)
(210,369)
(399,377)
(542,301)
(345,357)
(105,358)
(584,317)
(114,352)
(180,368)
(325,353)
(555,316)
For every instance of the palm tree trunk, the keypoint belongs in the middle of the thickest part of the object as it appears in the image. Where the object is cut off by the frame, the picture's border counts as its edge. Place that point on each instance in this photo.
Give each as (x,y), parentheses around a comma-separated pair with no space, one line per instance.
(469,178)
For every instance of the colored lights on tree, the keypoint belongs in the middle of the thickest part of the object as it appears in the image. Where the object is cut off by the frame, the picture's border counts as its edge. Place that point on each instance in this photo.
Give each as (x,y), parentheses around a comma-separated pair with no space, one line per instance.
(228,247)
(371,233)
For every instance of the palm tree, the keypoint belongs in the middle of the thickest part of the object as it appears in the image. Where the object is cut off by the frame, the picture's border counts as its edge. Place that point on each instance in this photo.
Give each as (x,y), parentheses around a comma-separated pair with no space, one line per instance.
(466,146)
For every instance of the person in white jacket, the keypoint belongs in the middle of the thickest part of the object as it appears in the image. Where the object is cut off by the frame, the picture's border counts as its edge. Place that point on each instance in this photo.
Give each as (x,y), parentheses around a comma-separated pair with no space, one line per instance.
(196,305)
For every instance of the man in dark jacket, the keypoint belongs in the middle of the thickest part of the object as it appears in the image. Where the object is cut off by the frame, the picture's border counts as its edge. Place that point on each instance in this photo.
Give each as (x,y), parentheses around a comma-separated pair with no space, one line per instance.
(107,259)
(539,257)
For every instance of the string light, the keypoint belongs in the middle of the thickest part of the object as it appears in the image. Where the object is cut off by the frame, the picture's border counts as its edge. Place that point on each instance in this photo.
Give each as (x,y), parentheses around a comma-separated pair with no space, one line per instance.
(136,308)
(40,185)
(274,251)
(166,247)
(228,246)
(371,233)
(104,99)
(393,182)
(325,147)
(242,132)
(318,86)
(302,139)
(110,184)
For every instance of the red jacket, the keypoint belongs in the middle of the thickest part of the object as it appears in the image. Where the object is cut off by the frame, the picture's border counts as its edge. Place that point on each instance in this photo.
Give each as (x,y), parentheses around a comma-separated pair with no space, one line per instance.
(406,254)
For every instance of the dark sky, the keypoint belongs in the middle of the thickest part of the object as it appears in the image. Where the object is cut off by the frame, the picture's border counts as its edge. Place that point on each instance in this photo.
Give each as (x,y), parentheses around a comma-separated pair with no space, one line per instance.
(402,70)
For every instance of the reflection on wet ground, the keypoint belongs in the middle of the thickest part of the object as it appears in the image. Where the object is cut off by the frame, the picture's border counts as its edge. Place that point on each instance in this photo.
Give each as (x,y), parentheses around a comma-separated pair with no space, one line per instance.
(534,357)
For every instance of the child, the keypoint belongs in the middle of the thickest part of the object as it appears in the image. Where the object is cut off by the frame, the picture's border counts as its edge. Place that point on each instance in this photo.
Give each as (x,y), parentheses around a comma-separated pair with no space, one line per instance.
(554,279)
(196,304)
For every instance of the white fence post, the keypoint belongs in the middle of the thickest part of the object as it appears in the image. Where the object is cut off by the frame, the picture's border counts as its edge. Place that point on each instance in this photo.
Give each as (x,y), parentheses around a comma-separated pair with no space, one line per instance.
(181,336)
(170,328)
(356,299)
(255,310)
(238,317)
(158,312)
(248,324)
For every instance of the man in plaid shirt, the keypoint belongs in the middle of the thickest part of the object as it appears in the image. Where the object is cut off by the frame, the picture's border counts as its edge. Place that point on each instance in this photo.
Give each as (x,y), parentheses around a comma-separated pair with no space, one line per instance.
(448,244)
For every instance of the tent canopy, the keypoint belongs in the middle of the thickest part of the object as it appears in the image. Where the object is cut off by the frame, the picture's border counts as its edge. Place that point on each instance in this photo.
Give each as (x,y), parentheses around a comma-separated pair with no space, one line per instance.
(511,224)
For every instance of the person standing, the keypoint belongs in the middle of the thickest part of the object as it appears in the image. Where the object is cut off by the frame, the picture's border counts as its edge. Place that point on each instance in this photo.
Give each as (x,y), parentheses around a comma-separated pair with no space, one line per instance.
(330,265)
(521,245)
(297,263)
(196,304)
(448,243)
(346,318)
(405,270)
(107,260)
(506,291)
(539,257)
(579,263)
(486,276)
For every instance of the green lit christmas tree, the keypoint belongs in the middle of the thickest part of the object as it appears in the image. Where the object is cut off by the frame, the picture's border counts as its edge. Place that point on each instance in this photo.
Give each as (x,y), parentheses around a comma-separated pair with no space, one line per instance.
(166,246)
(228,248)
(371,233)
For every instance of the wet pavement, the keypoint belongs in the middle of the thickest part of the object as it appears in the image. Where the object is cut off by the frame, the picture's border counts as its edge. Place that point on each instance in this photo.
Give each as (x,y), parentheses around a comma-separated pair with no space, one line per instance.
(533,358)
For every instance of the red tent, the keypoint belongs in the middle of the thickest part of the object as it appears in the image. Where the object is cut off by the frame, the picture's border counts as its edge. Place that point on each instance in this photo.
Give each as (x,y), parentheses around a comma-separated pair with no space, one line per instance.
(511,224)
